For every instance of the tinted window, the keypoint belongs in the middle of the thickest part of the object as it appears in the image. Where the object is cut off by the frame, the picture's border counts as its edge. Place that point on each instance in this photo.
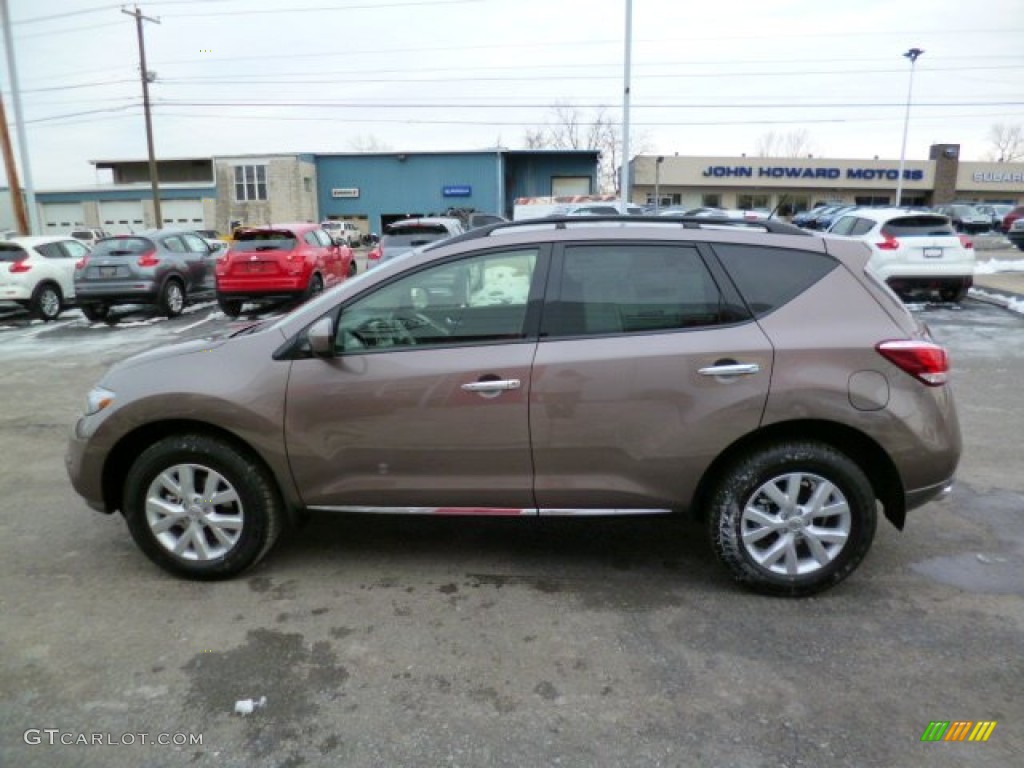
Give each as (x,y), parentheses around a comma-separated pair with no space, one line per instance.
(771,277)
(862,227)
(482,299)
(264,240)
(844,226)
(431,231)
(626,288)
(51,251)
(74,249)
(11,253)
(122,246)
(918,226)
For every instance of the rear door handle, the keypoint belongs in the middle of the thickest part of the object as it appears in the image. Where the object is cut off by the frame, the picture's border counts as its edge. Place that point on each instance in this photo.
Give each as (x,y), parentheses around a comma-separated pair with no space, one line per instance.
(492,386)
(730,369)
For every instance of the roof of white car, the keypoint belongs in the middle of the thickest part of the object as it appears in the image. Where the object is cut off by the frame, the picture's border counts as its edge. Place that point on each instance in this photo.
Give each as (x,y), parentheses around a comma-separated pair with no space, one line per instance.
(887,214)
(33,240)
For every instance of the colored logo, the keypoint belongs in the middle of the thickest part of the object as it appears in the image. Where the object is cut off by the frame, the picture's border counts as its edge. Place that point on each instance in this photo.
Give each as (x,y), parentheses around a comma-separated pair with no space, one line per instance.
(958,730)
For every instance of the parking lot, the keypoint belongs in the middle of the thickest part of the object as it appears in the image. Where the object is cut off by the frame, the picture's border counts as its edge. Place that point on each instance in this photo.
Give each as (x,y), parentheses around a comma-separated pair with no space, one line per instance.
(482,642)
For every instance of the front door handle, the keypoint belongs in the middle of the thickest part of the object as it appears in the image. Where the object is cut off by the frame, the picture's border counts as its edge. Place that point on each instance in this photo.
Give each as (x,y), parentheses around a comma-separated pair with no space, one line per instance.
(492,386)
(730,369)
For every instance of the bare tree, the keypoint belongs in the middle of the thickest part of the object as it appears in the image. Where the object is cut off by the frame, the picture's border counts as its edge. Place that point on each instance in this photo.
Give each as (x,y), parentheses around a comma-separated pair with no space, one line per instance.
(570,128)
(789,144)
(368,143)
(1007,143)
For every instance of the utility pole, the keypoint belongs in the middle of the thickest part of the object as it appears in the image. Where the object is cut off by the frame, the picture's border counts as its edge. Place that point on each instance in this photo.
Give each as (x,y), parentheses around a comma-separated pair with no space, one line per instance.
(145,103)
(20,216)
(26,169)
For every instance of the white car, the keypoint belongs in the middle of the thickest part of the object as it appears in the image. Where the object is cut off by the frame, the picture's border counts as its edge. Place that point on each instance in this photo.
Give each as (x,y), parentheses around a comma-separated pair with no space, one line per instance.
(912,250)
(39,272)
(89,236)
(343,232)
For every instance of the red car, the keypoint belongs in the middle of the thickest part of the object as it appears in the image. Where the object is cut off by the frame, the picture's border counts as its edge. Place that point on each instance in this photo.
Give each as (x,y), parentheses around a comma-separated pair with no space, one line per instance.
(280,262)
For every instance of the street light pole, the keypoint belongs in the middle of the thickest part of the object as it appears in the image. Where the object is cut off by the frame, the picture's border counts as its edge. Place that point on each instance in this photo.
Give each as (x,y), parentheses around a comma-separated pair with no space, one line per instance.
(626,77)
(913,55)
(657,182)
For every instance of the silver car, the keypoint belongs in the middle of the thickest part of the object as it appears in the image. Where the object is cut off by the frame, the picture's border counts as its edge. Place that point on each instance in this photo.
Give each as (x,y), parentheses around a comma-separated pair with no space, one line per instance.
(164,267)
(755,375)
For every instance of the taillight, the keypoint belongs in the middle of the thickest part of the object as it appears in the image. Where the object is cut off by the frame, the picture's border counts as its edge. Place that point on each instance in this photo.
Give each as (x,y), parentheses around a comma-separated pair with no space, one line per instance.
(923,360)
(148,259)
(82,263)
(889,243)
(21,265)
(966,242)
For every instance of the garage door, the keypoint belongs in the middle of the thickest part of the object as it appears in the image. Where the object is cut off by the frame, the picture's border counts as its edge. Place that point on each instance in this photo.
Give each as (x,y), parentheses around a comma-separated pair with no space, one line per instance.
(121,217)
(61,218)
(566,186)
(182,214)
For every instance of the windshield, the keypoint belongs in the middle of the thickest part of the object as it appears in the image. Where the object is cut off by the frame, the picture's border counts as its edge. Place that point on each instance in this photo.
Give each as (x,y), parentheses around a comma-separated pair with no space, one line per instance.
(435,230)
(264,240)
(123,246)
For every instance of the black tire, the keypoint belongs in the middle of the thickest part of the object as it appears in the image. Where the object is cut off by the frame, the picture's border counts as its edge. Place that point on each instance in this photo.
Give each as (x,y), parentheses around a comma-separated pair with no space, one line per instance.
(230,307)
(249,515)
(315,287)
(172,297)
(738,506)
(94,313)
(353,268)
(953,295)
(46,301)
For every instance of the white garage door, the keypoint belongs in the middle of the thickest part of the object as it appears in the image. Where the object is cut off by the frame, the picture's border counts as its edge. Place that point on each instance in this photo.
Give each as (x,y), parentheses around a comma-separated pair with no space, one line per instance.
(61,218)
(121,217)
(182,214)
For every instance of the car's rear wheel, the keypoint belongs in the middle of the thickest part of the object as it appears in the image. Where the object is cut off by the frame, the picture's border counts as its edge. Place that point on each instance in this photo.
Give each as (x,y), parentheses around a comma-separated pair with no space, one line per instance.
(353,268)
(46,301)
(955,295)
(315,287)
(94,313)
(230,307)
(792,519)
(172,297)
(200,507)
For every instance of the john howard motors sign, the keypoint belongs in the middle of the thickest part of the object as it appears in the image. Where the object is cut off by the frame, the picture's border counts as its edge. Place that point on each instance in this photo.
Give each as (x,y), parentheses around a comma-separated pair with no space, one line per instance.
(797,172)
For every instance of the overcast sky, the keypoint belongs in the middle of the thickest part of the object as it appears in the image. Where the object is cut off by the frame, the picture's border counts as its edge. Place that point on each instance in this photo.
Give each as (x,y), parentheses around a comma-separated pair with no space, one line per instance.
(708,78)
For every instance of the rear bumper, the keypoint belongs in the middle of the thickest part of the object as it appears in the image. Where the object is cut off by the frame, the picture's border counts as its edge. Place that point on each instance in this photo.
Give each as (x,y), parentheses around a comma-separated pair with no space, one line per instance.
(121,292)
(934,282)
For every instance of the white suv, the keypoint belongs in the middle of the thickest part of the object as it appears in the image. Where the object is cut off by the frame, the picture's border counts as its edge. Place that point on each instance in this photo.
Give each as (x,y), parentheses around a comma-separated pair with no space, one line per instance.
(912,250)
(39,272)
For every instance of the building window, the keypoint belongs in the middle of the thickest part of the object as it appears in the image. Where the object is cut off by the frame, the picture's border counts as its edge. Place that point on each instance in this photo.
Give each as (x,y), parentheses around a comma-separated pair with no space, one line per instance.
(711,201)
(752,202)
(250,182)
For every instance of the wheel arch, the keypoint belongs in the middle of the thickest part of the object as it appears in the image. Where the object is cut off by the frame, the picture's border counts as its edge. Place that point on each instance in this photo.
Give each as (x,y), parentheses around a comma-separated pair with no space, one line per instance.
(861,449)
(120,458)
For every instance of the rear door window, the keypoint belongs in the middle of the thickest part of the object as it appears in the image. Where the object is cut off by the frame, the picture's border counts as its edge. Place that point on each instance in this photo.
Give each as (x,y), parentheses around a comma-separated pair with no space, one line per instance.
(770,277)
(195,243)
(627,288)
(51,250)
(174,244)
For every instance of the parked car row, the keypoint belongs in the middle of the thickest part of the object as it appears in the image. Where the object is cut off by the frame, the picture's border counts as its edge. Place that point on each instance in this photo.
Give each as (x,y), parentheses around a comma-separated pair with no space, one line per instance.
(169,267)
(968,218)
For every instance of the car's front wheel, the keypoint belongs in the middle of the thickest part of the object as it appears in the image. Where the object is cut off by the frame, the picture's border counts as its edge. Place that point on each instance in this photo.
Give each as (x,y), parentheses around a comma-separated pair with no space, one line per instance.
(792,519)
(200,507)
(94,313)
(172,298)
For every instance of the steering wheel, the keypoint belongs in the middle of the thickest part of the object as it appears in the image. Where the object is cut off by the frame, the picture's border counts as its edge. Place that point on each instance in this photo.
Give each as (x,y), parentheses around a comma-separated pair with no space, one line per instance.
(415,321)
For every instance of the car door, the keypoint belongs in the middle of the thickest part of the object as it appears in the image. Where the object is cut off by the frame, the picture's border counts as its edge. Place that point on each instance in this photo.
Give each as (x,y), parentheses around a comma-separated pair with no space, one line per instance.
(202,263)
(425,405)
(648,367)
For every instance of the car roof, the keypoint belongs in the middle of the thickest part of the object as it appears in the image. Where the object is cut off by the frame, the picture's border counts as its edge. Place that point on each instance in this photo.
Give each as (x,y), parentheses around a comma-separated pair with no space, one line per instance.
(33,240)
(426,220)
(887,214)
(301,226)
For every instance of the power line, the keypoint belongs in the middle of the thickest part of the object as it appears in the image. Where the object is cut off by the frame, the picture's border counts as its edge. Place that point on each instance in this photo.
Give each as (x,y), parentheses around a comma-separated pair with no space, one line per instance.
(535,105)
(320,9)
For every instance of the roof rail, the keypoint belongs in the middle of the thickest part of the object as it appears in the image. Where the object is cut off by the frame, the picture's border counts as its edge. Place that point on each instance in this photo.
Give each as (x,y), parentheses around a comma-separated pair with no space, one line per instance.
(685,222)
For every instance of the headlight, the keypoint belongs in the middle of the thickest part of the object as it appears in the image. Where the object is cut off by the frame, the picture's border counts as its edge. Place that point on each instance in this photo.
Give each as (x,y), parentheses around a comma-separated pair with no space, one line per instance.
(97,399)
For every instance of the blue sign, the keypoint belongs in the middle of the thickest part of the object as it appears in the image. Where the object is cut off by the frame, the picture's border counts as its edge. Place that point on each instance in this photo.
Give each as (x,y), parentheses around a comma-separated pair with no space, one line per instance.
(457,190)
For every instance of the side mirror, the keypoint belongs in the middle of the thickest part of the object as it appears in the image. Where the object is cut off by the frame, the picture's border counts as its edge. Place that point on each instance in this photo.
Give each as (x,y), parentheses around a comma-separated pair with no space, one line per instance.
(321,337)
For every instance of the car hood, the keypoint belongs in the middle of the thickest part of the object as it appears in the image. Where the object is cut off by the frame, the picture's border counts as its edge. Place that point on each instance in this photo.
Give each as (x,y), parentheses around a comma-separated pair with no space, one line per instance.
(171,350)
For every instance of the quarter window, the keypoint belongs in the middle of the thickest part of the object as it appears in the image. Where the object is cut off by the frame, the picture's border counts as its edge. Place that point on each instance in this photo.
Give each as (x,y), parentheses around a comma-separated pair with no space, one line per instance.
(74,249)
(771,277)
(478,300)
(621,289)
(250,182)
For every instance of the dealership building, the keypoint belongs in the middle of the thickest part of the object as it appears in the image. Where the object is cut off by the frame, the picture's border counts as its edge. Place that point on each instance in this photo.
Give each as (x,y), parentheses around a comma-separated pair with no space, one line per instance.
(795,184)
(374,188)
